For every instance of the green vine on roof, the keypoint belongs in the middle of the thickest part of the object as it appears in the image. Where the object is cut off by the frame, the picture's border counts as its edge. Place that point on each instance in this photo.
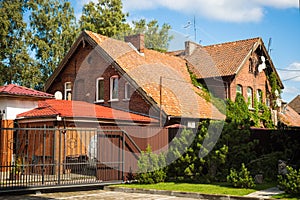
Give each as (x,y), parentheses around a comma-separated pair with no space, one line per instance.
(217,102)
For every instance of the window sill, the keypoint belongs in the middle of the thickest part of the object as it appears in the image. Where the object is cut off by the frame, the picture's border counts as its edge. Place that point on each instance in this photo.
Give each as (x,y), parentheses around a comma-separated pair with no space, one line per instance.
(99,101)
(113,100)
(126,99)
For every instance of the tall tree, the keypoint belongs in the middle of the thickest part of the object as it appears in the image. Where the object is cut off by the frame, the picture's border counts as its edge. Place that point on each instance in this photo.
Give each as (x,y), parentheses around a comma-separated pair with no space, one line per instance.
(104,17)
(53,30)
(155,37)
(13,55)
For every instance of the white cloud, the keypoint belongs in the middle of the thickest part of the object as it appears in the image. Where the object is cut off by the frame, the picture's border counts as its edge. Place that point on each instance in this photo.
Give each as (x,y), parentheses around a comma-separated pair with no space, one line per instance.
(291,73)
(224,10)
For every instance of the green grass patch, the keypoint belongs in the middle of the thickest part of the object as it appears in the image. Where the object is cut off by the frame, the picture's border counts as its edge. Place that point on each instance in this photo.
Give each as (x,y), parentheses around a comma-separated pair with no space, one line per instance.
(286,196)
(215,188)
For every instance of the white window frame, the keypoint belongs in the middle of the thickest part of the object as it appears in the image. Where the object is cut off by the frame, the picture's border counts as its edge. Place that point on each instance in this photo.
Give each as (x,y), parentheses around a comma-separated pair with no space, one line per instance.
(241,87)
(97,90)
(127,91)
(67,90)
(259,95)
(112,88)
(250,96)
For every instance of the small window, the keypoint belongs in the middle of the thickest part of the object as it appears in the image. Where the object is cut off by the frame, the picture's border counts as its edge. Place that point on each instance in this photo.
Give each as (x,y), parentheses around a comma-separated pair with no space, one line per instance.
(127,91)
(250,96)
(239,89)
(100,90)
(250,65)
(259,96)
(68,91)
(114,88)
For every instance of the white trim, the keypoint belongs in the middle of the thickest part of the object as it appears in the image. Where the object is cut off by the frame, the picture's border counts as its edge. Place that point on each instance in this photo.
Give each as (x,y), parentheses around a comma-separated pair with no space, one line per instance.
(111,88)
(97,90)
(68,90)
(127,87)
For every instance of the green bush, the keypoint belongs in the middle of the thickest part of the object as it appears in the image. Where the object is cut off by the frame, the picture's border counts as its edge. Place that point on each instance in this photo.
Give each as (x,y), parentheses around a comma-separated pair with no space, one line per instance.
(290,182)
(151,167)
(241,179)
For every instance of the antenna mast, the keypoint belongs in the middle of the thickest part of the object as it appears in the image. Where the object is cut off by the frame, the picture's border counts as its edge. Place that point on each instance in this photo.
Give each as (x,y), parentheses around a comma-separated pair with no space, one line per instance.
(269,45)
(195,30)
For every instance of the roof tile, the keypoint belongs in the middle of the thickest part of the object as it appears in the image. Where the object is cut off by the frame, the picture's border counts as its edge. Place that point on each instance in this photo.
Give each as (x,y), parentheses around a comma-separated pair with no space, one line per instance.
(13,89)
(64,108)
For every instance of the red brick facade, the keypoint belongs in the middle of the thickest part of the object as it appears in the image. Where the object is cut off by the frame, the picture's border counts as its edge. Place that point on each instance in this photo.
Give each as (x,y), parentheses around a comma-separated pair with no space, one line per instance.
(83,69)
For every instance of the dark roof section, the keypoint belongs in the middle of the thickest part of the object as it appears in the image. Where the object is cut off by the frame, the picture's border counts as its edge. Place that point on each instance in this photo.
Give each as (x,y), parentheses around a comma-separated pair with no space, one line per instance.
(295,104)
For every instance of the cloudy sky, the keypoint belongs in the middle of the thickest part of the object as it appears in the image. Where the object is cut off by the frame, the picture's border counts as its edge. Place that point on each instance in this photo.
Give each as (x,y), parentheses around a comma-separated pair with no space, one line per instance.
(218,21)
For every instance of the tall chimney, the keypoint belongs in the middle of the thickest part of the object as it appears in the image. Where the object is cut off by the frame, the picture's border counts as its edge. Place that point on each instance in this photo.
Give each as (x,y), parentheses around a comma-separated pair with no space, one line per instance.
(137,41)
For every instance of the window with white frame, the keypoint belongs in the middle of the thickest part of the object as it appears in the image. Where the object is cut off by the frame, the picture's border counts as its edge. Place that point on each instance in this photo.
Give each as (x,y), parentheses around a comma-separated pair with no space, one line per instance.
(127,91)
(259,96)
(239,89)
(100,90)
(250,96)
(68,91)
(114,88)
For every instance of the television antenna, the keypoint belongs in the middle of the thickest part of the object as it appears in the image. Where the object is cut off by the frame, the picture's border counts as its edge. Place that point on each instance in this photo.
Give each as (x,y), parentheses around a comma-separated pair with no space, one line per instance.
(189,24)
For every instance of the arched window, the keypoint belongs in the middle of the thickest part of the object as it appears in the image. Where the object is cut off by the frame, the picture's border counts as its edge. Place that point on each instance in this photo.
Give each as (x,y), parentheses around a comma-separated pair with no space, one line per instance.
(259,96)
(250,96)
(100,90)
(114,88)
(239,89)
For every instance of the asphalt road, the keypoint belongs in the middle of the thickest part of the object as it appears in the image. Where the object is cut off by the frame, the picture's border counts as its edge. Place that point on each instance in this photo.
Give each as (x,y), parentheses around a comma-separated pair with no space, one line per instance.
(91,195)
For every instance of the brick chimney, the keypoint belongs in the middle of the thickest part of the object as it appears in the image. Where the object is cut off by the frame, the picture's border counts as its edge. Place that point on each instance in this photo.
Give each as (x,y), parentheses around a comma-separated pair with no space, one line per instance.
(137,41)
(190,47)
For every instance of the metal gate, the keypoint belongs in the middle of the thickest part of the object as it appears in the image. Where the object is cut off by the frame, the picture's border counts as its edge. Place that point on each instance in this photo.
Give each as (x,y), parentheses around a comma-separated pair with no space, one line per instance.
(43,157)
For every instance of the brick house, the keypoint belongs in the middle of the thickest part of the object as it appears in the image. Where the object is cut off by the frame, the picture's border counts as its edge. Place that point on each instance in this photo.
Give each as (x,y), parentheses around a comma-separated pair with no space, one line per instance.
(127,76)
(234,67)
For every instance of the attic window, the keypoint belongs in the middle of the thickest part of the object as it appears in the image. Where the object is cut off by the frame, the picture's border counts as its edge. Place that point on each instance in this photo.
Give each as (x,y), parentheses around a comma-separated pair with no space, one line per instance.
(68,91)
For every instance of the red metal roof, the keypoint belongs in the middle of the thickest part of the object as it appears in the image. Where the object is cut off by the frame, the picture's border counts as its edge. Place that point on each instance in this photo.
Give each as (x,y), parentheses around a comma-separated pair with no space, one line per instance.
(13,89)
(64,108)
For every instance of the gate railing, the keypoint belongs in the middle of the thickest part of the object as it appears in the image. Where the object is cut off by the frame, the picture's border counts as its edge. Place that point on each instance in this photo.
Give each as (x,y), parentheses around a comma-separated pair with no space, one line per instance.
(36,157)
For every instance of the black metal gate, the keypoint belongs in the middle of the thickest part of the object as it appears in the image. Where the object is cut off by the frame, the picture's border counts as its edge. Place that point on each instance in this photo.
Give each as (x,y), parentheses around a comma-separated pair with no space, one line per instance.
(43,157)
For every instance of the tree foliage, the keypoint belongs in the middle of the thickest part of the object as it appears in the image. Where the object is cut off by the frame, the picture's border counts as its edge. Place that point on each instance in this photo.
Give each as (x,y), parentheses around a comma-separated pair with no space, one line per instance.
(156,37)
(104,17)
(52,32)
(13,55)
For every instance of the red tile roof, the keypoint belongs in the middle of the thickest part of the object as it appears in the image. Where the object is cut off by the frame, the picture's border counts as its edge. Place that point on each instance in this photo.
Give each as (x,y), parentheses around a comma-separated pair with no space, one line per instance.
(179,97)
(73,109)
(220,59)
(290,117)
(13,89)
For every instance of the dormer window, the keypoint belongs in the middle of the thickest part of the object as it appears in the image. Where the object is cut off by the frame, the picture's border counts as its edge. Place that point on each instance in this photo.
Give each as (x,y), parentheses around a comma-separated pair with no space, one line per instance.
(100,90)
(68,91)
(114,88)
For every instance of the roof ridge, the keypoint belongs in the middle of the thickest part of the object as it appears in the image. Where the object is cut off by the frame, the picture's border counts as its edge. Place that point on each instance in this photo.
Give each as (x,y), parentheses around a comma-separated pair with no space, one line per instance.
(230,42)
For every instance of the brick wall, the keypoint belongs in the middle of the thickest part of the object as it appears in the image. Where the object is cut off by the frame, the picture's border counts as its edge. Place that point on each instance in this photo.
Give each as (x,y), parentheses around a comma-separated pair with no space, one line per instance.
(83,69)
(249,79)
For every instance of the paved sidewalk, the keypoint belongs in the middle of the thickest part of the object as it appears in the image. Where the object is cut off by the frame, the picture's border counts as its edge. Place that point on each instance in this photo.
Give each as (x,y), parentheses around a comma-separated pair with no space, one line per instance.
(266,194)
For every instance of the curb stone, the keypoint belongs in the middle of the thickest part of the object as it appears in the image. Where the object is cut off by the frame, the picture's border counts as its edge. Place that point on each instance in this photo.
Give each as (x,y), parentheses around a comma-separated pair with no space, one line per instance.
(194,195)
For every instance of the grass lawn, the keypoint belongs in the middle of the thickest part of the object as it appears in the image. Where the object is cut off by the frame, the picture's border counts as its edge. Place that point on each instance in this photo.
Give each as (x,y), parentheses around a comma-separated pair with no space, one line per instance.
(215,188)
(286,196)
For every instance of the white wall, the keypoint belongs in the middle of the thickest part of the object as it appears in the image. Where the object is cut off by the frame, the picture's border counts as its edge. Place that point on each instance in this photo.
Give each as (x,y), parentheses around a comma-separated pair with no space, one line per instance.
(15,106)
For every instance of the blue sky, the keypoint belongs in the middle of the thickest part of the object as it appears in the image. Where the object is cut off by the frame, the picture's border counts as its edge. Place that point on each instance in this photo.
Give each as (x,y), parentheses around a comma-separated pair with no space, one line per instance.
(218,21)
